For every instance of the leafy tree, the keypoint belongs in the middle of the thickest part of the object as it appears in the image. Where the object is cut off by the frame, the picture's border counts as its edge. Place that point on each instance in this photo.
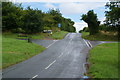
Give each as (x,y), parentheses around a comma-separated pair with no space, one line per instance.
(32,21)
(11,16)
(91,19)
(113,15)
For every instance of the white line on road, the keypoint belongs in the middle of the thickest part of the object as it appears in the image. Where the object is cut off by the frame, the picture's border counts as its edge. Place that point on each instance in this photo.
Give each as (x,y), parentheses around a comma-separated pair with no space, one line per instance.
(34,77)
(51,44)
(65,48)
(50,64)
(86,43)
(89,43)
(60,55)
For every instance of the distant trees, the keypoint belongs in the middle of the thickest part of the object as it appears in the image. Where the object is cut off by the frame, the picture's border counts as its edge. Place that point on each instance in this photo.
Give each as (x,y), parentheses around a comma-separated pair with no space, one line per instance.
(16,19)
(91,19)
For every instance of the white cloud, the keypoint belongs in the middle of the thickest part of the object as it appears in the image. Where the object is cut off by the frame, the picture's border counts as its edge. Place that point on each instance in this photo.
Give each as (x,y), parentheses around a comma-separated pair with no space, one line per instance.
(79,26)
(60,1)
(77,8)
(50,5)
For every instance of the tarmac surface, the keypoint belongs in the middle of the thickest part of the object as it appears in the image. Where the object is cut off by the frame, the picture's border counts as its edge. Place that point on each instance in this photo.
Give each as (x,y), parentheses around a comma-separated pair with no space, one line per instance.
(62,59)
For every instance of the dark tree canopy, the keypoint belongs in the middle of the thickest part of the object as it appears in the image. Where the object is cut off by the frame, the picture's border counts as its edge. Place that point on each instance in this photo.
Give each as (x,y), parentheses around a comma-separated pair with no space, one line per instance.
(91,19)
(17,19)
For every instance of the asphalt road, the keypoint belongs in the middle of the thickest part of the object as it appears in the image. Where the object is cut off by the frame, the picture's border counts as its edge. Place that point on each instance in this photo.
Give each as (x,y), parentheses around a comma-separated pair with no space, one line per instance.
(62,59)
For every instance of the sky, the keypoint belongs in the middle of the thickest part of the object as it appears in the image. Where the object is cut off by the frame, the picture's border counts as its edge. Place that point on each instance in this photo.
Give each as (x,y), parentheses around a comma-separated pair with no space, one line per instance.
(72,9)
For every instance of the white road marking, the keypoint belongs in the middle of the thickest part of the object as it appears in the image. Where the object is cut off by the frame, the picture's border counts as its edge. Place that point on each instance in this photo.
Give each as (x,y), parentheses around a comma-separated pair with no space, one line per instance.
(65,48)
(51,44)
(67,35)
(50,64)
(60,55)
(33,77)
(86,43)
(89,43)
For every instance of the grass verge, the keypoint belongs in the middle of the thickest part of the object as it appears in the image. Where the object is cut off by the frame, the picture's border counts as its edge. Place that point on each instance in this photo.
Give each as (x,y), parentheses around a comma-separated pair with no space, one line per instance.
(104,61)
(14,51)
(99,37)
(55,35)
(59,35)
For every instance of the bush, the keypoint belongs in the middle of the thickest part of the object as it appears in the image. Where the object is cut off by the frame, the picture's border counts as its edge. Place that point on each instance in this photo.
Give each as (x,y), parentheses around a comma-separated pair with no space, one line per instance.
(18,30)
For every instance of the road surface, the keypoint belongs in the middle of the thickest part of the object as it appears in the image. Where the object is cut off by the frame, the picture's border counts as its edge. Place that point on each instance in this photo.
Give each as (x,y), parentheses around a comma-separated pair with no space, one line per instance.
(61,59)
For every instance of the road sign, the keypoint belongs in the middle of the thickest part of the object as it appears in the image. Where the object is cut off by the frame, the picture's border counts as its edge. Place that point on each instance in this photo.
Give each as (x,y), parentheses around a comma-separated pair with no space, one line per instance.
(59,25)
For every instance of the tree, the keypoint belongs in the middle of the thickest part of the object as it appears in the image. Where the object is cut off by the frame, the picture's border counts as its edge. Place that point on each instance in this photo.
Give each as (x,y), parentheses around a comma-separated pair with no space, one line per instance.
(113,15)
(11,16)
(32,21)
(91,19)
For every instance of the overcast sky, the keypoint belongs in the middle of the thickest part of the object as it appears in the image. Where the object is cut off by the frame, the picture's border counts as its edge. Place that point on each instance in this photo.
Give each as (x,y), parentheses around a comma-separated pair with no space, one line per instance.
(72,9)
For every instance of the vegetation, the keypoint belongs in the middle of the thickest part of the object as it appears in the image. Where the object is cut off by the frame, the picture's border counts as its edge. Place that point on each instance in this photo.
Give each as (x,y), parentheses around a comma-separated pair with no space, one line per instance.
(55,35)
(104,61)
(19,50)
(59,35)
(110,30)
(113,16)
(101,36)
(91,19)
(85,29)
(30,21)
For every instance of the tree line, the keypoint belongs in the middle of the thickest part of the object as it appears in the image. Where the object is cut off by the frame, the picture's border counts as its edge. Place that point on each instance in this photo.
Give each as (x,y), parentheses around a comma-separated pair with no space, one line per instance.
(17,19)
(111,23)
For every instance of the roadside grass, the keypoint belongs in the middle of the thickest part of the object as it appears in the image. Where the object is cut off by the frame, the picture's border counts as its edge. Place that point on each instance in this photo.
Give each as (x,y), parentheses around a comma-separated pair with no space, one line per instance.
(15,51)
(59,35)
(0,50)
(104,61)
(100,36)
(55,35)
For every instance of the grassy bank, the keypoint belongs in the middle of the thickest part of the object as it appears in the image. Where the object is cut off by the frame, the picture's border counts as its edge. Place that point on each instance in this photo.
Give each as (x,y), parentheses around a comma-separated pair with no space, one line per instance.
(100,36)
(104,61)
(59,35)
(14,51)
(55,35)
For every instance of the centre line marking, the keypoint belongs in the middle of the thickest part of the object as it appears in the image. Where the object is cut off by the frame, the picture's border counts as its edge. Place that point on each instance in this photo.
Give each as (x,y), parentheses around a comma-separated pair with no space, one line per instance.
(61,55)
(50,64)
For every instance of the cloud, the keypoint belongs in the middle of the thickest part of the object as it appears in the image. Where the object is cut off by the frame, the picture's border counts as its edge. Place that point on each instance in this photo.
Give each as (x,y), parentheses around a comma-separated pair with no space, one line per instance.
(79,26)
(60,1)
(78,8)
(50,5)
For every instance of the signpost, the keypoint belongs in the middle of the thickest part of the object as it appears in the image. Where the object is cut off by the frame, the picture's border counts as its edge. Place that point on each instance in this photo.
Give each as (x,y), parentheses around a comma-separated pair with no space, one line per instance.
(59,25)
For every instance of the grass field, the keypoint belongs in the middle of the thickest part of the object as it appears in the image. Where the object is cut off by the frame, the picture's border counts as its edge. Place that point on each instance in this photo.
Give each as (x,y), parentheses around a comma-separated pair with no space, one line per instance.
(104,61)
(14,51)
(99,37)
